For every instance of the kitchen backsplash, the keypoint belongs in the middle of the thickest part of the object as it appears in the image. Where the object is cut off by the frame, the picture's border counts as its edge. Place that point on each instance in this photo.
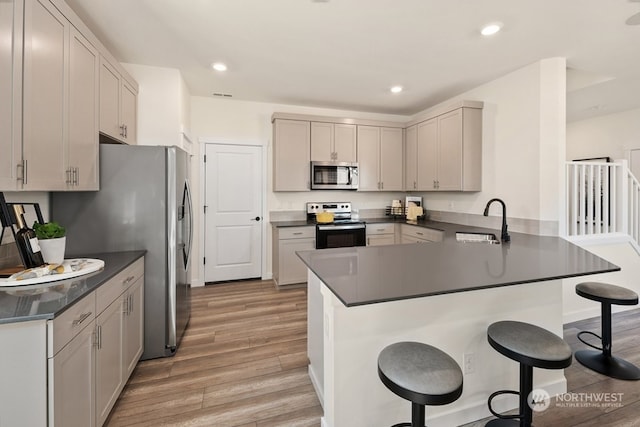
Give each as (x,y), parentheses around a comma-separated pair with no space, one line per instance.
(519,225)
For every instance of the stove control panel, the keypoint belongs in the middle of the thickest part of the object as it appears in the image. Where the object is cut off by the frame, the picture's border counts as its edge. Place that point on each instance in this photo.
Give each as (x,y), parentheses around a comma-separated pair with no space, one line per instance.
(336,208)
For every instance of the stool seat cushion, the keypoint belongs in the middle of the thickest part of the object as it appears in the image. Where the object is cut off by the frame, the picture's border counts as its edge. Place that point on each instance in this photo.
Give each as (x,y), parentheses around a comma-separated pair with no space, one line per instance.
(529,344)
(604,292)
(420,373)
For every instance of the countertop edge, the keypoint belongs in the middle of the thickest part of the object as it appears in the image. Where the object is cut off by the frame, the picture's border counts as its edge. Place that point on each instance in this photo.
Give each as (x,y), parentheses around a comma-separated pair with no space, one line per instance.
(94,282)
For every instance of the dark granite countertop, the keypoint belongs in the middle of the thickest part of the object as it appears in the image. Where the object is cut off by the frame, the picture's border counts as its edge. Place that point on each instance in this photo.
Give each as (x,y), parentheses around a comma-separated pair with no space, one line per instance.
(366,275)
(46,301)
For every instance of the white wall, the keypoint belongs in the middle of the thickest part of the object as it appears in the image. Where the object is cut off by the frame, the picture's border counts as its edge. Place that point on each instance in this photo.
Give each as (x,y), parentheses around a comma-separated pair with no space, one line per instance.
(616,250)
(612,135)
(523,143)
(238,122)
(163,105)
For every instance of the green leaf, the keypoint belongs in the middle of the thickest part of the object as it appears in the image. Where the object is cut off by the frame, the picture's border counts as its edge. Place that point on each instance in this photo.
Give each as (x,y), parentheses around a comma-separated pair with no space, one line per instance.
(48,230)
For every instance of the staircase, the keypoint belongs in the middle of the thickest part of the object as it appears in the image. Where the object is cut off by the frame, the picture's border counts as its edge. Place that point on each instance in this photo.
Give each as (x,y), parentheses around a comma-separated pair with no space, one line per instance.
(603,198)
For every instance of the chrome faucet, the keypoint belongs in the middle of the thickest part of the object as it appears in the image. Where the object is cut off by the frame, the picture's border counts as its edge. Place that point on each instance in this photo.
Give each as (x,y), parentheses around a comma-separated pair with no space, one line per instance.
(505,234)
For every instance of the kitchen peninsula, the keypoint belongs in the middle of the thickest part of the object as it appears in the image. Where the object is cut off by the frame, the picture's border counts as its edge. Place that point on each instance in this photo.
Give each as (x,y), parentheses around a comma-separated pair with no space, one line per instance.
(362,299)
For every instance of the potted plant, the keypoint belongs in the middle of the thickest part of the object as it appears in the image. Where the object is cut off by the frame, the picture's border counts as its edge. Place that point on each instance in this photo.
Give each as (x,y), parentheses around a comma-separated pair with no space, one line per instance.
(52,239)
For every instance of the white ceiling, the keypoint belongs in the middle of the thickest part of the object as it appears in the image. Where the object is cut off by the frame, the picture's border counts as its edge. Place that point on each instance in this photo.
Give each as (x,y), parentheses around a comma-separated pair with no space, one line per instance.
(345,54)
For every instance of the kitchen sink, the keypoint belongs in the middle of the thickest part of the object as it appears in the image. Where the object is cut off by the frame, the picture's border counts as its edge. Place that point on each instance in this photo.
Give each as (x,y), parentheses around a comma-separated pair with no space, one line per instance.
(488,238)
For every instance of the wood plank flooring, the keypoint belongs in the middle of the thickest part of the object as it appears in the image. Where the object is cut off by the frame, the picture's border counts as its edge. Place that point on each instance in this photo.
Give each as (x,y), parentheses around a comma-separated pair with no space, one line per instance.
(243,363)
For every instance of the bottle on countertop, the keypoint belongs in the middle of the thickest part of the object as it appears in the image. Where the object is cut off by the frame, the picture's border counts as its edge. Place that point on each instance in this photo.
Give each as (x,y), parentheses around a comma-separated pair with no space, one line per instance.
(27,241)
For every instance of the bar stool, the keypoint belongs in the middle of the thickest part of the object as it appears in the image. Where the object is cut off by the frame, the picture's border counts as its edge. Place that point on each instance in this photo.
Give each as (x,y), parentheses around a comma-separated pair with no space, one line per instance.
(421,374)
(600,359)
(531,346)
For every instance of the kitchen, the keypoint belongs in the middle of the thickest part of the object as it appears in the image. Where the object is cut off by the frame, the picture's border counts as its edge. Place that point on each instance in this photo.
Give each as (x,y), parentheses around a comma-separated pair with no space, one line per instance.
(519,119)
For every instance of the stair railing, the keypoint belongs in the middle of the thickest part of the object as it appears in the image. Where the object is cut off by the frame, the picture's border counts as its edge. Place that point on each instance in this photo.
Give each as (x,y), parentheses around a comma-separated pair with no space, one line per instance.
(596,200)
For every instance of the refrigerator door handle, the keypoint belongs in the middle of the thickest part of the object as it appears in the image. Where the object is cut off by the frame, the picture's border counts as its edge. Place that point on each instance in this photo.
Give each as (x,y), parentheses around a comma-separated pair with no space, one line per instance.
(189,222)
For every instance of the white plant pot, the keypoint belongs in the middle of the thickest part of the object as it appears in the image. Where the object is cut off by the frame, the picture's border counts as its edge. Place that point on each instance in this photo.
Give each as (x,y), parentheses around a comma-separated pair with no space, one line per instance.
(53,250)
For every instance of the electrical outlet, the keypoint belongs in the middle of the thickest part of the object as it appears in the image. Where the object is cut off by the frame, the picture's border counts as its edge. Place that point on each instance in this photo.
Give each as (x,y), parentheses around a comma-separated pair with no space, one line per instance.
(469,362)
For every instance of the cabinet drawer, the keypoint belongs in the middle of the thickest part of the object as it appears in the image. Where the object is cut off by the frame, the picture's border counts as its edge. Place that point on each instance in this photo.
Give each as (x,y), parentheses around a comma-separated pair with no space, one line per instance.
(108,292)
(373,229)
(63,328)
(422,233)
(296,232)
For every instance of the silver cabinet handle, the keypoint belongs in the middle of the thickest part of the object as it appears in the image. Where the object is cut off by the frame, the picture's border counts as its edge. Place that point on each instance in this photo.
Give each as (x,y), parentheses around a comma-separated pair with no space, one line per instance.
(75,176)
(419,233)
(24,172)
(68,172)
(99,337)
(130,303)
(128,280)
(297,233)
(126,133)
(81,319)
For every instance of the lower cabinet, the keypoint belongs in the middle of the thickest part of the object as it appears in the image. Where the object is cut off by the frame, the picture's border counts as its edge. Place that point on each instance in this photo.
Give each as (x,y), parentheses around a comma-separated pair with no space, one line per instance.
(381,234)
(72,398)
(133,337)
(288,269)
(415,234)
(109,377)
(88,366)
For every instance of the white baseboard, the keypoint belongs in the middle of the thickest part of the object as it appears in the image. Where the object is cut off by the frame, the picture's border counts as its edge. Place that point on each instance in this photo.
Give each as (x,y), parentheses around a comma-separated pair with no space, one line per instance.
(587,313)
(317,388)
(197,283)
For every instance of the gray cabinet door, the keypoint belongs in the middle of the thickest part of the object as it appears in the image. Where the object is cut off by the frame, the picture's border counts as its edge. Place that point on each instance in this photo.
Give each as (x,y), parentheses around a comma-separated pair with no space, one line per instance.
(291,155)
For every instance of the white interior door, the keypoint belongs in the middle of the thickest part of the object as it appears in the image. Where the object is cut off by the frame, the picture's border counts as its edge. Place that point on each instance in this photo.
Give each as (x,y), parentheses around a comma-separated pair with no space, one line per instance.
(233,219)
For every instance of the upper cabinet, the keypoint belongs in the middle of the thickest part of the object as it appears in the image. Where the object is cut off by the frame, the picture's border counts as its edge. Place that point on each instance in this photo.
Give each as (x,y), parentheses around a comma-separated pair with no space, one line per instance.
(380,158)
(11,13)
(444,153)
(118,100)
(291,154)
(82,149)
(60,104)
(439,151)
(333,142)
(49,99)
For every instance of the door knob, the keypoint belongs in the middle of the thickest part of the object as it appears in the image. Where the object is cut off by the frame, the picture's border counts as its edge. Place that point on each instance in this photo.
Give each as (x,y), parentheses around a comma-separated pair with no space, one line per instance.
(256,219)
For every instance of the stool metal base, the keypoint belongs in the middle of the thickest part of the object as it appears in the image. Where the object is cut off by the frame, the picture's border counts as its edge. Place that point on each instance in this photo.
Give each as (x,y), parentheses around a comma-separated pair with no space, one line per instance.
(610,366)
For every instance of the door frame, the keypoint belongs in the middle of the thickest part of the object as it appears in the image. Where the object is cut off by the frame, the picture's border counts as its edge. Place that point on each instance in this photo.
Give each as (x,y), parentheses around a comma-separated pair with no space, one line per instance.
(202,192)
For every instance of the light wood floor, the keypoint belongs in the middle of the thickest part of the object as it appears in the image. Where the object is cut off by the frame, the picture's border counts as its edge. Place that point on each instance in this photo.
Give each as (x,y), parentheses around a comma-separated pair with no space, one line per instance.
(243,363)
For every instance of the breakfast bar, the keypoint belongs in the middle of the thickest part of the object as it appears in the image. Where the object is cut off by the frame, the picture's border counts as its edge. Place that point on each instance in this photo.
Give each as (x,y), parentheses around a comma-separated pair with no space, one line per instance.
(446,294)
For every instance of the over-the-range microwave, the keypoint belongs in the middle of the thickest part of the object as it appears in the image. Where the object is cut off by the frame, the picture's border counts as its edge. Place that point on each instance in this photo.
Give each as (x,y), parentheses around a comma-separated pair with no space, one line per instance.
(334,176)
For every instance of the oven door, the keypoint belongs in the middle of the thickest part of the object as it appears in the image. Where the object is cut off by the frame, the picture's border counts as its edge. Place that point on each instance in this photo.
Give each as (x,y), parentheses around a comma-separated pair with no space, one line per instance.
(340,235)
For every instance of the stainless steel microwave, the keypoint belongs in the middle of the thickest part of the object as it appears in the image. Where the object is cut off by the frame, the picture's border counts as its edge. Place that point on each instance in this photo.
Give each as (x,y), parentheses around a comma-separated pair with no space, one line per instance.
(334,176)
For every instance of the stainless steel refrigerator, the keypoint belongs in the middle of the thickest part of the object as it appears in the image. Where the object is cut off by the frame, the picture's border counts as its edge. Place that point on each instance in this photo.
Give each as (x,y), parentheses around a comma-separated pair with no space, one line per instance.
(144,202)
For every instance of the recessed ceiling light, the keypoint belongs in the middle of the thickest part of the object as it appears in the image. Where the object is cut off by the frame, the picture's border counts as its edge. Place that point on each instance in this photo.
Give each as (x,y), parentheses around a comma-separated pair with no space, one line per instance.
(219,66)
(491,29)
(396,89)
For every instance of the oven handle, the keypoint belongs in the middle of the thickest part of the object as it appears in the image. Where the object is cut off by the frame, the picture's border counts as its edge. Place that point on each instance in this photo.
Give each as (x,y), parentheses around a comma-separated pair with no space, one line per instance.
(341,227)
